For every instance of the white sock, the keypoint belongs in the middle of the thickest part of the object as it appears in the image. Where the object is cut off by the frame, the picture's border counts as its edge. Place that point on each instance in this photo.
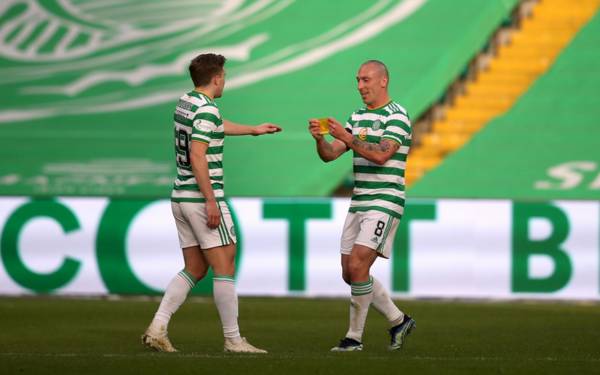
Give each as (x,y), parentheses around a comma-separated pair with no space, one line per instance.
(174,296)
(383,303)
(362,295)
(227,304)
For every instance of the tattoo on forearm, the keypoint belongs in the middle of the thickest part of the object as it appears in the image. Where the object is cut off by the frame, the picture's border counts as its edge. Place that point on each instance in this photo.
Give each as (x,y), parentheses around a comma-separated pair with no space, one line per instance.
(381,147)
(325,149)
(325,146)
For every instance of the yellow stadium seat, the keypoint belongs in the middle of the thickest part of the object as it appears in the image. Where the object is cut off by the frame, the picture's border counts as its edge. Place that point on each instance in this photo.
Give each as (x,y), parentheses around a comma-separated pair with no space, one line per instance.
(531,51)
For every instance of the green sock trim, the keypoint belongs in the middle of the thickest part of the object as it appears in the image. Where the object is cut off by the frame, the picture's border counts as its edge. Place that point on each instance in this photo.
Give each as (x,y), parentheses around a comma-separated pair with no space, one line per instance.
(361,293)
(360,289)
(229,278)
(188,277)
(370,281)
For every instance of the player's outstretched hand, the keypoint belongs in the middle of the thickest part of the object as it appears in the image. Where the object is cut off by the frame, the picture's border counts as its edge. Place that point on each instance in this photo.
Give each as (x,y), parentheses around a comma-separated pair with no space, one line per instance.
(314,128)
(266,128)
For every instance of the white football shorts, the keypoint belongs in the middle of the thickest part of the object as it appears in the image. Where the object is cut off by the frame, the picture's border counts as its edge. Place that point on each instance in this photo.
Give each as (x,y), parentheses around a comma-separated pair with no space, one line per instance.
(190,219)
(373,229)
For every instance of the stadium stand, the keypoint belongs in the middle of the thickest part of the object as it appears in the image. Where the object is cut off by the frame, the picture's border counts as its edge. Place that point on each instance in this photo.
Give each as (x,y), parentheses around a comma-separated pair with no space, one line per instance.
(546,146)
(519,54)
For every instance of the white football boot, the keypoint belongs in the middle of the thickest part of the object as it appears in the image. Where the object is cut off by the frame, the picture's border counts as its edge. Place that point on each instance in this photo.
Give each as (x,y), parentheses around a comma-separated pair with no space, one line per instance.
(241,347)
(158,340)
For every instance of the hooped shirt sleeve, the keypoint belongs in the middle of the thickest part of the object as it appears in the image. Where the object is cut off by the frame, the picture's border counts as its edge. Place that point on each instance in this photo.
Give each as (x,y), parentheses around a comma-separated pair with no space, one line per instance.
(397,128)
(205,123)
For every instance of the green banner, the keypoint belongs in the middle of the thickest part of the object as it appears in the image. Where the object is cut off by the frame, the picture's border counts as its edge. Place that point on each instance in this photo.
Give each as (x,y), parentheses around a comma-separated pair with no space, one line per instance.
(88,88)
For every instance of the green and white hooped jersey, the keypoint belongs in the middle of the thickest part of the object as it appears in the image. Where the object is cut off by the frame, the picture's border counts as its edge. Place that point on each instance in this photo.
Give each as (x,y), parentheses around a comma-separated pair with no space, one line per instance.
(380,187)
(197,118)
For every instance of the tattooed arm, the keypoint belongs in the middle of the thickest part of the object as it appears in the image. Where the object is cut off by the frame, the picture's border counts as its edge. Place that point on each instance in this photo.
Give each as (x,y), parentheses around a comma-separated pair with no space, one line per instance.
(378,153)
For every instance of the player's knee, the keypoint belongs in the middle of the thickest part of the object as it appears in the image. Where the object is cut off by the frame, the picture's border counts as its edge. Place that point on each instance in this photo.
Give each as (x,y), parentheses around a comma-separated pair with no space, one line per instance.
(198,272)
(224,269)
(356,269)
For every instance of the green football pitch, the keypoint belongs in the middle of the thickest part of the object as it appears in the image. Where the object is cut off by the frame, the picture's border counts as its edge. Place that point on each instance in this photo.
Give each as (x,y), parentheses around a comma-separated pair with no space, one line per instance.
(94,336)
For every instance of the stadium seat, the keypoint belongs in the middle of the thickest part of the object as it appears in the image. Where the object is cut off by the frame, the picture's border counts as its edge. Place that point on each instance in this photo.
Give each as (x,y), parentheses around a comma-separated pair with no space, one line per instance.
(529,53)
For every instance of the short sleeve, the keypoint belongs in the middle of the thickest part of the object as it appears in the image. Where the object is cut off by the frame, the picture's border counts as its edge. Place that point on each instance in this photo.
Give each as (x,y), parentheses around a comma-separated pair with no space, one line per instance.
(397,128)
(205,124)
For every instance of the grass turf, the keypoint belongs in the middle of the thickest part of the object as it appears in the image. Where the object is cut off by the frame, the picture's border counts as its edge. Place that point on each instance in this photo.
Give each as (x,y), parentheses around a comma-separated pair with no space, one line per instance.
(60,336)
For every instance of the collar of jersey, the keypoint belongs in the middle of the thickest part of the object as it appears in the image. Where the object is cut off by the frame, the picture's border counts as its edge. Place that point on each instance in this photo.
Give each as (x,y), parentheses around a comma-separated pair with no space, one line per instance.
(194,92)
(378,108)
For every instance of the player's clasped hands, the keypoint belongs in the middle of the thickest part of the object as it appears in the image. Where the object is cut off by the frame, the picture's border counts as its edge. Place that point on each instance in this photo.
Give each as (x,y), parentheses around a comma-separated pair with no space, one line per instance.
(314,128)
(335,128)
(329,125)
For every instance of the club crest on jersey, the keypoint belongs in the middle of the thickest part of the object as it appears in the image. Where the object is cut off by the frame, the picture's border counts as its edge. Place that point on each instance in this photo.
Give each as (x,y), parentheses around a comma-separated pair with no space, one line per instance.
(362,134)
(376,125)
